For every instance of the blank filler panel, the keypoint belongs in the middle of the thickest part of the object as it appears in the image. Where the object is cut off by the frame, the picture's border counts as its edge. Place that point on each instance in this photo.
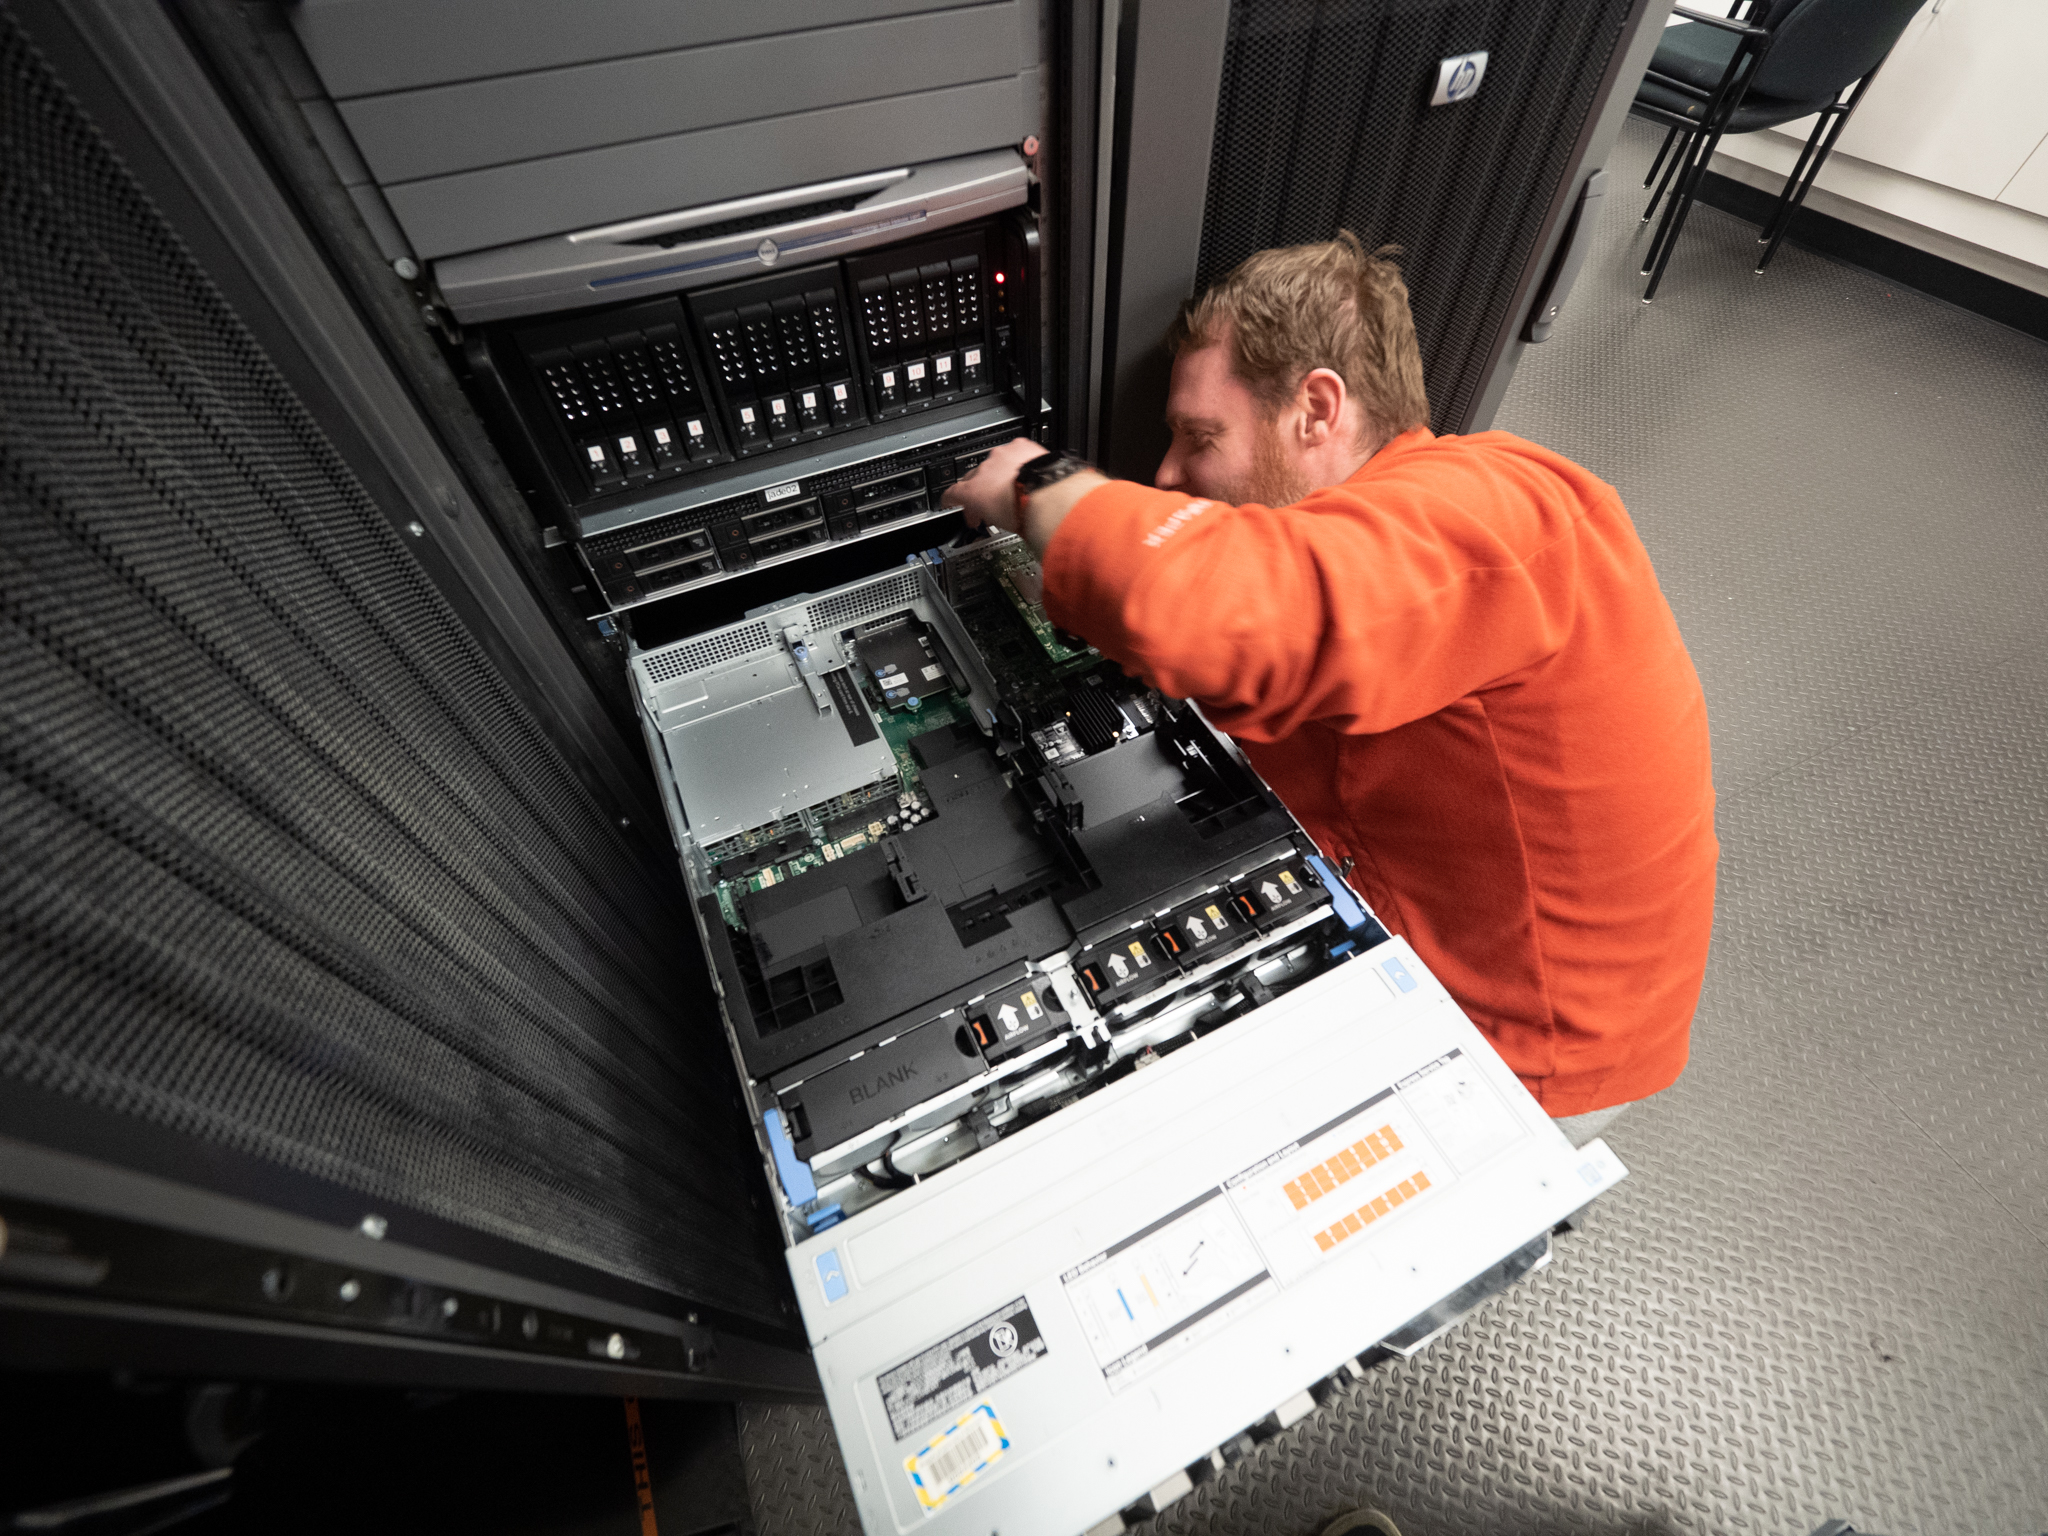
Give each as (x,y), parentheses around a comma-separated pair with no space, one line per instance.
(505,203)
(490,124)
(363,47)
(441,130)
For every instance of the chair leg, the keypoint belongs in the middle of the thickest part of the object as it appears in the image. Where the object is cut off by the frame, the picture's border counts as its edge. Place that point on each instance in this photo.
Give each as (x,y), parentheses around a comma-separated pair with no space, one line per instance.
(1681,205)
(1691,165)
(1797,195)
(1670,170)
(1678,177)
(1781,212)
(1658,163)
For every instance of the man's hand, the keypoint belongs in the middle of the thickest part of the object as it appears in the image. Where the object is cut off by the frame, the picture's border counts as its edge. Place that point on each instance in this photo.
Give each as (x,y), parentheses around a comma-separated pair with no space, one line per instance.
(989,495)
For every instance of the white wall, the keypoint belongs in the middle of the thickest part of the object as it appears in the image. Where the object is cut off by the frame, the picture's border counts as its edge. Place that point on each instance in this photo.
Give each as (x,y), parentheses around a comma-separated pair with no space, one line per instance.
(1949,150)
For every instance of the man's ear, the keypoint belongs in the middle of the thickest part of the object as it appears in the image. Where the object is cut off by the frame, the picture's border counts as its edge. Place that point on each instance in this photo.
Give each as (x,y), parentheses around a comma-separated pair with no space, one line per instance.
(1321,398)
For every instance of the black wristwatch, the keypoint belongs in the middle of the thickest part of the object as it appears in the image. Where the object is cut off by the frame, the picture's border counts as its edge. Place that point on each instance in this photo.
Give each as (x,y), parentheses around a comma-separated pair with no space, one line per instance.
(1047,469)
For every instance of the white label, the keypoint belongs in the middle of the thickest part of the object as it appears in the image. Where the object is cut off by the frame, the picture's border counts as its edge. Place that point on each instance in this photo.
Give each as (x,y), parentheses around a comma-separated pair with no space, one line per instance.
(779,407)
(838,391)
(1148,1292)
(958,1454)
(915,370)
(747,414)
(1462,1112)
(942,365)
(810,401)
(627,445)
(661,436)
(596,454)
(932,674)
(780,492)
(888,378)
(694,428)
(972,357)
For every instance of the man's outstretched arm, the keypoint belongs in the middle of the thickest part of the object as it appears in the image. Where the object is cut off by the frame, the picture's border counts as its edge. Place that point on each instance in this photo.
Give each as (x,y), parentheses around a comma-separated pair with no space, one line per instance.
(989,495)
(1359,614)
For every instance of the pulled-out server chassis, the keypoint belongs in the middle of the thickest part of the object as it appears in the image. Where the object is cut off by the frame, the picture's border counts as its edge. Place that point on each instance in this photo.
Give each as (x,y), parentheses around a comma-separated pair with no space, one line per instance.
(1029,980)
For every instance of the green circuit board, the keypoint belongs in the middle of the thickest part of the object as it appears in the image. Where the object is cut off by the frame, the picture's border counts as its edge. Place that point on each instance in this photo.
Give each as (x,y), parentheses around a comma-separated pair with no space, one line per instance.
(899,726)
(1023,583)
(833,837)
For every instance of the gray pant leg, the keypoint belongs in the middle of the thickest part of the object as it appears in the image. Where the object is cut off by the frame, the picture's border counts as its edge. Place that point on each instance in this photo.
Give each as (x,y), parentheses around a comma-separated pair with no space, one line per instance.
(1580,1129)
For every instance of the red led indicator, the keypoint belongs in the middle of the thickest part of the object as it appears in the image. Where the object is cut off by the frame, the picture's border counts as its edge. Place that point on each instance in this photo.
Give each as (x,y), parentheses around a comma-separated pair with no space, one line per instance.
(1000,277)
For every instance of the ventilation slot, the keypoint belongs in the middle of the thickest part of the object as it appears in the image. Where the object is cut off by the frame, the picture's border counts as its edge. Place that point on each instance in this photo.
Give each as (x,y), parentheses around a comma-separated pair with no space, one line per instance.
(1321,125)
(864,602)
(302,897)
(705,651)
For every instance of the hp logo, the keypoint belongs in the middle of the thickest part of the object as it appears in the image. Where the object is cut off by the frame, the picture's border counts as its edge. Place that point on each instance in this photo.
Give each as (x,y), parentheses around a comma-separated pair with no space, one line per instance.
(1458,78)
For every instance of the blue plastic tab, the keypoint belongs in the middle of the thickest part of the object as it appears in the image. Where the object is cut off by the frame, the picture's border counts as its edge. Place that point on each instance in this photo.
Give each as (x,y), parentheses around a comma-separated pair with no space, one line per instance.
(794,1172)
(1338,951)
(1398,973)
(1342,902)
(824,1216)
(830,1277)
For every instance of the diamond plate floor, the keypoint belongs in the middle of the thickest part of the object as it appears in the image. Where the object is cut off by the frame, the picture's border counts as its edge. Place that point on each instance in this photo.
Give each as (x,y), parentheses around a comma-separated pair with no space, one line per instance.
(1824,1292)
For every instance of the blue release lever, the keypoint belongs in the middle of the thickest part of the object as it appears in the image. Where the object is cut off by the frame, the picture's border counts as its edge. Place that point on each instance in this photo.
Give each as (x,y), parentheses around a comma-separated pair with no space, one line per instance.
(795,1173)
(1347,906)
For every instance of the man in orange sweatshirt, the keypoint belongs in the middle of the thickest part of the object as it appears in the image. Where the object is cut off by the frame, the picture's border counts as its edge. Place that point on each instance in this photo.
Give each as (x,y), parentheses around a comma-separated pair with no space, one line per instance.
(1449,655)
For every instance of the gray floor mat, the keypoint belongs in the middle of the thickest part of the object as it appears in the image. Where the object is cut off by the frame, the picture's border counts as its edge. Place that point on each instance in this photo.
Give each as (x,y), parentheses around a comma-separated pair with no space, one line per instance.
(1824,1291)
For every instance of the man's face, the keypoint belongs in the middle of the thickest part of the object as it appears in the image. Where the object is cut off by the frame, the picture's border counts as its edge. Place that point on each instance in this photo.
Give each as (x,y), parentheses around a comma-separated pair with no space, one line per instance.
(1226,446)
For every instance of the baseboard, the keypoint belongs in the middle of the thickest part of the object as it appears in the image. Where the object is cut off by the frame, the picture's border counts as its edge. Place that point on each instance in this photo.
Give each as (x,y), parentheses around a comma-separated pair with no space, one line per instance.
(1933,275)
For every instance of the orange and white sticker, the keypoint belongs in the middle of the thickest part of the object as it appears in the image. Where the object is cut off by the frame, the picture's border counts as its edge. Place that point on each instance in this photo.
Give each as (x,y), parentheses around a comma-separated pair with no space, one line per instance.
(643,1484)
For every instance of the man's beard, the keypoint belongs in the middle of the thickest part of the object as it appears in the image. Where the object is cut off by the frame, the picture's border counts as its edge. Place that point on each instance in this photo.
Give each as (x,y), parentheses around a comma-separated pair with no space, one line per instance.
(1274,479)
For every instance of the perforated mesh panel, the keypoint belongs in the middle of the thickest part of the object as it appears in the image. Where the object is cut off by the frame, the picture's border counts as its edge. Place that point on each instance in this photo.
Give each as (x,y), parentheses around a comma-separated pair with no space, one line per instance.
(864,602)
(1323,124)
(707,650)
(287,868)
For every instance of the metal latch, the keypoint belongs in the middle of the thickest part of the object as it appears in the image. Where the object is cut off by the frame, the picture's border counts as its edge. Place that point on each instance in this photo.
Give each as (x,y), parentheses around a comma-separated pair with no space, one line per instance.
(793,636)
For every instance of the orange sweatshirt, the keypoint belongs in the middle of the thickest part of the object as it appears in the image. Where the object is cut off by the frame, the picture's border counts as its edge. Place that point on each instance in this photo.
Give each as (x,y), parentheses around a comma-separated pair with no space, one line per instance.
(1457,669)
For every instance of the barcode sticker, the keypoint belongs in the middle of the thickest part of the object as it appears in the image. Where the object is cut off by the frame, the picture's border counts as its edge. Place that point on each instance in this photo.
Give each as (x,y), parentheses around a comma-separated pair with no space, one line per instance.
(956,1455)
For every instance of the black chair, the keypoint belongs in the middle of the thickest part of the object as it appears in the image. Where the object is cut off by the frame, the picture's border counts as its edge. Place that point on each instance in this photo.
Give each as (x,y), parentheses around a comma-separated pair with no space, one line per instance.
(1772,62)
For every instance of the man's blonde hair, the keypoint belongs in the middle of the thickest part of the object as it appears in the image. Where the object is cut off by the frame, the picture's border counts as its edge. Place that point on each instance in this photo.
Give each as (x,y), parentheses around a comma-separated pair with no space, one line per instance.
(1328,305)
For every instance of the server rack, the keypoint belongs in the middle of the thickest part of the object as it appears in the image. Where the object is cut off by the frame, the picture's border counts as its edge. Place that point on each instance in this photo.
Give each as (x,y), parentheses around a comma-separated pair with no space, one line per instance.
(415,309)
